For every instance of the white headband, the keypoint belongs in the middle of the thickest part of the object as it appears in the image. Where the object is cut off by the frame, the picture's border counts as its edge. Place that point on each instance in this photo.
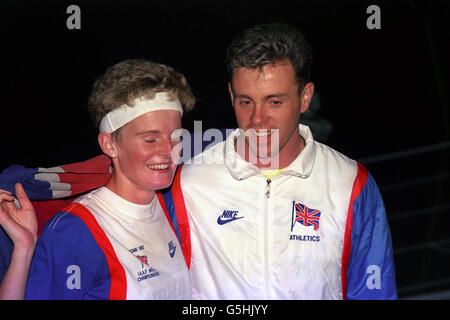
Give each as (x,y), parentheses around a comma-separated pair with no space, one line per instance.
(124,114)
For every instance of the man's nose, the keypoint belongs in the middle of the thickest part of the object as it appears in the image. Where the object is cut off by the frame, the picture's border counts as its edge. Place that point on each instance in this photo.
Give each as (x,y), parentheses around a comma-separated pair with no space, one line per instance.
(257,116)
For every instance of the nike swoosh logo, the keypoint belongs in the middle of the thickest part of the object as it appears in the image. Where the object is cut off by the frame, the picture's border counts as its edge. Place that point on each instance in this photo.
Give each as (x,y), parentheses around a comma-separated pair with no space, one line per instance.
(172,248)
(222,221)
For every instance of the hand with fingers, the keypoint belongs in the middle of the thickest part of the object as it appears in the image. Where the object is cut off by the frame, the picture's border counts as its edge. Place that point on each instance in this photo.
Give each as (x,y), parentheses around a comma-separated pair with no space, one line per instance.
(20,223)
(21,226)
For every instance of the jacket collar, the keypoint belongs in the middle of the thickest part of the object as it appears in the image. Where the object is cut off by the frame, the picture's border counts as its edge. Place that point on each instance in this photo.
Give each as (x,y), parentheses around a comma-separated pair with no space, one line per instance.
(301,167)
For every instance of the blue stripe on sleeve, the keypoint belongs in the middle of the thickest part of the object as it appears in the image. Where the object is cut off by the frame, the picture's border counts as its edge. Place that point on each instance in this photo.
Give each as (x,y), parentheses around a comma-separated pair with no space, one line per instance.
(68,263)
(371,272)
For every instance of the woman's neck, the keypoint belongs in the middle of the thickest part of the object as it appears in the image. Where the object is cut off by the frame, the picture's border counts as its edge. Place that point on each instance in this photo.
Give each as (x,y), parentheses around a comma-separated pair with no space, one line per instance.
(129,191)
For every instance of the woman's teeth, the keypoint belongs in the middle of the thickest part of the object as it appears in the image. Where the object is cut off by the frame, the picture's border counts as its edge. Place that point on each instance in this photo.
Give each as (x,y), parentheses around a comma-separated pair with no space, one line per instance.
(158,166)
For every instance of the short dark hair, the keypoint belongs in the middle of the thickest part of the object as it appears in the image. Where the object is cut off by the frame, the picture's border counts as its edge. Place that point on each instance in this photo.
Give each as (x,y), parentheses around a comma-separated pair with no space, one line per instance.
(270,43)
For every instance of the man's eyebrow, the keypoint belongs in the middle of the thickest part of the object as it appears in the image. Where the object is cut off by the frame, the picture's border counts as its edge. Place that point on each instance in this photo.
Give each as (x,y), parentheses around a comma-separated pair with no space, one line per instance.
(278,95)
(243,96)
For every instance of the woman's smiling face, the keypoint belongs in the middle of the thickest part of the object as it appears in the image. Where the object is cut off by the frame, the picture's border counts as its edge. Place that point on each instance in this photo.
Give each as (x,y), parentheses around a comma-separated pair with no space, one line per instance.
(143,152)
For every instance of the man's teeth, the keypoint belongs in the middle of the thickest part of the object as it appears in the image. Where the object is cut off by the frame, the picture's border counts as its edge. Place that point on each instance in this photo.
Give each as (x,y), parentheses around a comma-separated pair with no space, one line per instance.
(262,133)
(158,166)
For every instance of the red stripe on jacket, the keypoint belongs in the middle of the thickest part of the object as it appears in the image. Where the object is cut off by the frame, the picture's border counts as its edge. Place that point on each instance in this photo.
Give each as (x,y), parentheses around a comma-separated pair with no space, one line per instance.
(118,289)
(358,185)
(182,217)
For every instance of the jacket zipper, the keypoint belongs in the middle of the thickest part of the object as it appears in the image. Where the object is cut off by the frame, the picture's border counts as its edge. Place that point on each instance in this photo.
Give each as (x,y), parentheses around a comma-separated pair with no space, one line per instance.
(266,242)
(268,181)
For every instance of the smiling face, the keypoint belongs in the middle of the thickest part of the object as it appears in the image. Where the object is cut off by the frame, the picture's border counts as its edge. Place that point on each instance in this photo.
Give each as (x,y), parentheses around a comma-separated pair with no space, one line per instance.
(142,155)
(266,100)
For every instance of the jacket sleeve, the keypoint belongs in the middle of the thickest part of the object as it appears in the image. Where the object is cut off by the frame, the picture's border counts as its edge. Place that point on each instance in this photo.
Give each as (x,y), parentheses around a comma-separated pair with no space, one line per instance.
(371,272)
(67,264)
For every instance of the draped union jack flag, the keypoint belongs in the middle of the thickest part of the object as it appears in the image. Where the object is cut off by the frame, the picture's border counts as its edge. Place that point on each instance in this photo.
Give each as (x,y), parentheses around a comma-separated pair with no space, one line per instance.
(304,215)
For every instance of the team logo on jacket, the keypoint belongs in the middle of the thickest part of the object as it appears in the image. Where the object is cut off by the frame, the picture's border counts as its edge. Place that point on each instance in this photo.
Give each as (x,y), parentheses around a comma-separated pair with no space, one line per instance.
(143,259)
(146,272)
(172,248)
(228,216)
(307,217)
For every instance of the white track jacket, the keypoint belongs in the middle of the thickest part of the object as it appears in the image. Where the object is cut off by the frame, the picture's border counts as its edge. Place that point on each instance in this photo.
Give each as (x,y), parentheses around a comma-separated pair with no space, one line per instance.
(318,230)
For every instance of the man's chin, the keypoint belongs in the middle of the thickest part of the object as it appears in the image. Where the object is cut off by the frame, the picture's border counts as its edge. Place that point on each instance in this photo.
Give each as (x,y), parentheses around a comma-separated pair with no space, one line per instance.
(269,160)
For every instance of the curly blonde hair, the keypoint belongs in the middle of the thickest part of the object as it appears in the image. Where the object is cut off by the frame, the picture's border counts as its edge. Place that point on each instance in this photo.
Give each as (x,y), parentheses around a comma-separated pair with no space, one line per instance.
(131,79)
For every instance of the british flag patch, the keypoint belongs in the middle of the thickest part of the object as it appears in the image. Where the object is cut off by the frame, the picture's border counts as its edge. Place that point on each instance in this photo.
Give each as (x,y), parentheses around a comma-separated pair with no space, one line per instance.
(305,216)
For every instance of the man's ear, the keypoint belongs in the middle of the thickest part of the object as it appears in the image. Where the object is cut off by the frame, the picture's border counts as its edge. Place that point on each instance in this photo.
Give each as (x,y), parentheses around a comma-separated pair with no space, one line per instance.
(230,90)
(306,96)
(105,140)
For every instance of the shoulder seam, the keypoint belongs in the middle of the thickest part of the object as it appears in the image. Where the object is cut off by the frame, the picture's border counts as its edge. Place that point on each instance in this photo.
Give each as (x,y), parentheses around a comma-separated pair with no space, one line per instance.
(55,221)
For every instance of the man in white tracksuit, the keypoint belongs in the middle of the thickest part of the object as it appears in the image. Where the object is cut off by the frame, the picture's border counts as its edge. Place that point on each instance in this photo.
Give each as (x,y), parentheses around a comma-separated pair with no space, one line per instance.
(286,217)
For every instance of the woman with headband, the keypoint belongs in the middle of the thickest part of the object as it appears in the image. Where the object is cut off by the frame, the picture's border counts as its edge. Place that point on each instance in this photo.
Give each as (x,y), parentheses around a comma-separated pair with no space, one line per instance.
(116,242)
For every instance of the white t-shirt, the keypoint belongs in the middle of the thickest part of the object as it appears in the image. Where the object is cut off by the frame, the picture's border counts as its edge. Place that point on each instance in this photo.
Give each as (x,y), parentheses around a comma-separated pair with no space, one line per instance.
(105,247)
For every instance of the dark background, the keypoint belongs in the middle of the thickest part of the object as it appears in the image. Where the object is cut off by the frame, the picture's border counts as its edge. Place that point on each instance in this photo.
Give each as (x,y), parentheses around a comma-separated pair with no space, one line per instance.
(381,95)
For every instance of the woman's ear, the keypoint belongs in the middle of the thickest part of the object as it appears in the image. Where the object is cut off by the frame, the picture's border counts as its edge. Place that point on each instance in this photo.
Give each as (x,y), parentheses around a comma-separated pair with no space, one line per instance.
(105,140)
